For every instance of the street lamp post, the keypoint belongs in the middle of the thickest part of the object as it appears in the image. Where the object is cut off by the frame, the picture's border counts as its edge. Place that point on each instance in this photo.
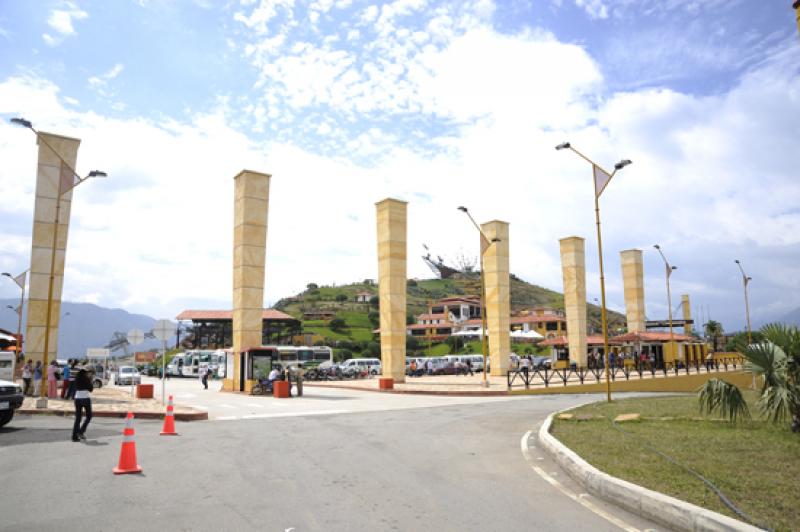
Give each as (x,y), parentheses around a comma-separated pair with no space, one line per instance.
(746,281)
(20,281)
(64,186)
(669,269)
(601,180)
(485,243)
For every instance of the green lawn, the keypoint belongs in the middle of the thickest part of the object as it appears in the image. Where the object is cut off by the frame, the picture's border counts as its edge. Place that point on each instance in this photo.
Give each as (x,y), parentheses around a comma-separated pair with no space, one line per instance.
(756,465)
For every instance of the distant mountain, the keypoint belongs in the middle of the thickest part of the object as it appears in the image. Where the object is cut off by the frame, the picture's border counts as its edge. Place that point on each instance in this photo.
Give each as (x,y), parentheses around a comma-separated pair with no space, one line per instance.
(85,325)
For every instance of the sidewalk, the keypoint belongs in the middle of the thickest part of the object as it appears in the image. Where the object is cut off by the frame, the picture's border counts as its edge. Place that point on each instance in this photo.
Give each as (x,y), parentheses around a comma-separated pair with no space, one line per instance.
(456,385)
(111,402)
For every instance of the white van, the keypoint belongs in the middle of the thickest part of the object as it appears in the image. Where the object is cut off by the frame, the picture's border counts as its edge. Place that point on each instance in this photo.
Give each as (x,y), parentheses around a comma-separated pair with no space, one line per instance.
(373,365)
(7,360)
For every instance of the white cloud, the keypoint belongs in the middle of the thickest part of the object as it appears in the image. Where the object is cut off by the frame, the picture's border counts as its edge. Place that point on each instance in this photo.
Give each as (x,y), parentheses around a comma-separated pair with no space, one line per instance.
(61,21)
(596,9)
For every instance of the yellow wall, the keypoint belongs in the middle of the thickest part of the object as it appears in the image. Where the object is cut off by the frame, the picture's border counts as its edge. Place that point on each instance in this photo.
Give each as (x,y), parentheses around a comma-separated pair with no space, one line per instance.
(680,383)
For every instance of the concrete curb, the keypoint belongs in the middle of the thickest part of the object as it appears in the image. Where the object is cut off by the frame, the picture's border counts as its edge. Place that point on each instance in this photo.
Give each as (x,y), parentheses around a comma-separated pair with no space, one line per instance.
(179,416)
(663,509)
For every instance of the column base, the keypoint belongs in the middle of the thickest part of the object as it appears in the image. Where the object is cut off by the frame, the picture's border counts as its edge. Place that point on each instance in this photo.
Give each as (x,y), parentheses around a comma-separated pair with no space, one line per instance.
(41,402)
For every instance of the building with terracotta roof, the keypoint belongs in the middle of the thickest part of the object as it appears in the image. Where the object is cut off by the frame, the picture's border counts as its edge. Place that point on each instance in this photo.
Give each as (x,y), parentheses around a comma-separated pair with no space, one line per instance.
(213,329)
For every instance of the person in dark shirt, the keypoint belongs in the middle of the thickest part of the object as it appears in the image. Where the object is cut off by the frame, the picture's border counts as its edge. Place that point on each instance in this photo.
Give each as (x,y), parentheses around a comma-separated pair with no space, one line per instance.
(83,403)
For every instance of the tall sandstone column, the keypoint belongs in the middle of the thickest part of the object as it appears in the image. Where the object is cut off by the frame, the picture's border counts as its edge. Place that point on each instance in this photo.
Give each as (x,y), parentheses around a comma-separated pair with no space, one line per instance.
(49,172)
(498,295)
(633,286)
(573,267)
(687,314)
(251,205)
(391,216)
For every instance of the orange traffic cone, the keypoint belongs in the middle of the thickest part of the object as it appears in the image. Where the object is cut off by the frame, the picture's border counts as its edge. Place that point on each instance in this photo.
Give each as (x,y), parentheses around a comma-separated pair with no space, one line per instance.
(169,421)
(127,456)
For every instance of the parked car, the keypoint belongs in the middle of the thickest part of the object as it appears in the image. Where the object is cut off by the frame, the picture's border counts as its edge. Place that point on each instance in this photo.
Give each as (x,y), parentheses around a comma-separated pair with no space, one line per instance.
(10,400)
(127,375)
(541,362)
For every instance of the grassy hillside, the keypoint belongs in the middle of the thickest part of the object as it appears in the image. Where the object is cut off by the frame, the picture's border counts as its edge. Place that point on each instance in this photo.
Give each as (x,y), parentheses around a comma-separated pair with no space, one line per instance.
(352,330)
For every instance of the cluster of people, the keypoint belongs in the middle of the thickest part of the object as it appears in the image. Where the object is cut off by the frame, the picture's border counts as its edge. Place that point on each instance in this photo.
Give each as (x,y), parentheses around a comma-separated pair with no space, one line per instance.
(34,374)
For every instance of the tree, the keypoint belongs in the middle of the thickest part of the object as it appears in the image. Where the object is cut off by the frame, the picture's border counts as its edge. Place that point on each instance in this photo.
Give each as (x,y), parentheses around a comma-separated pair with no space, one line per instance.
(375,301)
(341,298)
(412,343)
(741,339)
(374,318)
(777,360)
(312,286)
(337,324)
(714,331)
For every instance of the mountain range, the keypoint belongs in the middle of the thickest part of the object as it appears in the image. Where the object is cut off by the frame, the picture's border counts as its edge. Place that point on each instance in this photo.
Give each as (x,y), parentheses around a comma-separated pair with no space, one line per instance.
(85,325)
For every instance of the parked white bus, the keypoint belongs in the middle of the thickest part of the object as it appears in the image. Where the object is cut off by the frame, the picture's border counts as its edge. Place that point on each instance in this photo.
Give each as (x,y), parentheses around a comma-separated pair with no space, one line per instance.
(175,366)
(303,356)
(194,360)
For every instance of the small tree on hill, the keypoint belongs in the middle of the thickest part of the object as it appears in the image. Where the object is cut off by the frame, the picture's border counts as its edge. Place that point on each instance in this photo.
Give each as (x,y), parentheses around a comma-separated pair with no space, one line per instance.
(337,324)
(341,298)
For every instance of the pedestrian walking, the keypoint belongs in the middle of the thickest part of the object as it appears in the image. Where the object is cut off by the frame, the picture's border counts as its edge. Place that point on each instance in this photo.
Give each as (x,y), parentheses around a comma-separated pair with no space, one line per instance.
(205,373)
(73,374)
(37,378)
(469,367)
(27,375)
(83,404)
(65,383)
(52,380)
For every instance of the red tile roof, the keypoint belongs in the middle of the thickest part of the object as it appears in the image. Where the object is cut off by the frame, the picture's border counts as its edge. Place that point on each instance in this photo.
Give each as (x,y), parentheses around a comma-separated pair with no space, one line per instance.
(199,315)
(653,337)
(432,317)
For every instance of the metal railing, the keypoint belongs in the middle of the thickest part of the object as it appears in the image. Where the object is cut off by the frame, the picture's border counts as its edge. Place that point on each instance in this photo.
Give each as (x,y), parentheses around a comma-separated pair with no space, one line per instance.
(545,377)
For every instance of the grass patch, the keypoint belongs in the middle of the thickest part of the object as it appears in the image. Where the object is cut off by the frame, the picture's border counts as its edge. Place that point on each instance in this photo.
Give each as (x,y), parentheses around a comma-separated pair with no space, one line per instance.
(754,464)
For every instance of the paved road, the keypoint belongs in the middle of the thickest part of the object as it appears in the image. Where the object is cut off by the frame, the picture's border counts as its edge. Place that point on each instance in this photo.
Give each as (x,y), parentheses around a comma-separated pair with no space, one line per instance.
(452,467)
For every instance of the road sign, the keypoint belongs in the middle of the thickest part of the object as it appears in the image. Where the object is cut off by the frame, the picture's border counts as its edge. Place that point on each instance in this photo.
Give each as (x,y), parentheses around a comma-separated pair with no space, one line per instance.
(135,337)
(164,330)
(144,357)
(97,352)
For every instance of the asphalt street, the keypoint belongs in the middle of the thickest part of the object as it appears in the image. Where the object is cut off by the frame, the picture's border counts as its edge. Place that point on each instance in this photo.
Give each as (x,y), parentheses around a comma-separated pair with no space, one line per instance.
(446,467)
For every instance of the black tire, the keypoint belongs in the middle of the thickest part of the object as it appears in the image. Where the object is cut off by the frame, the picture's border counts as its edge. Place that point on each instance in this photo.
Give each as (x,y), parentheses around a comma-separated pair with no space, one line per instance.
(6,416)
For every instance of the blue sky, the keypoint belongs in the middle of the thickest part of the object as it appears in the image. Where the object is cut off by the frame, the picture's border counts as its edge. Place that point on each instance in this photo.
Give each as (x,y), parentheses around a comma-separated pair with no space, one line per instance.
(438,103)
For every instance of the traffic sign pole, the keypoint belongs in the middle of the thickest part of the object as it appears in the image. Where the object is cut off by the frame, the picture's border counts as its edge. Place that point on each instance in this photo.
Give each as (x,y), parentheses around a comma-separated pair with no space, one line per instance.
(163,330)
(135,337)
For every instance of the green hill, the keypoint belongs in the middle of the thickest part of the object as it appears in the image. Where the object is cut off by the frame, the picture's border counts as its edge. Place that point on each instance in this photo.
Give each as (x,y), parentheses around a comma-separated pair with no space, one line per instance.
(353,323)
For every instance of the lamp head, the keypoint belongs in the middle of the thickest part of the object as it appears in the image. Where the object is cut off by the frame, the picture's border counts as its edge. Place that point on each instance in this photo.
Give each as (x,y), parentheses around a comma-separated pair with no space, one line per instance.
(749,279)
(97,173)
(563,146)
(674,267)
(622,164)
(737,261)
(7,274)
(657,246)
(463,209)
(22,122)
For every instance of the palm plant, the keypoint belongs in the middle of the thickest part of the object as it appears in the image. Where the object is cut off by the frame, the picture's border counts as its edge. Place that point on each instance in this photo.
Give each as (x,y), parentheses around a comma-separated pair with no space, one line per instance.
(777,360)
(713,331)
(718,395)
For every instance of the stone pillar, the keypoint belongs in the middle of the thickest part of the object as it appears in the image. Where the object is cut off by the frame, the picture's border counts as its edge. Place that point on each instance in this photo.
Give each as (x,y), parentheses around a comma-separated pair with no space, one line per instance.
(50,172)
(251,204)
(573,267)
(391,216)
(633,286)
(498,296)
(687,314)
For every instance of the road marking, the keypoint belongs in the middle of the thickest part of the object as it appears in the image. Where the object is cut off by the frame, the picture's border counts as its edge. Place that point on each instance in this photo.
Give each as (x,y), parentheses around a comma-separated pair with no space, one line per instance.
(226,418)
(226,406)
(185,395)
(569,493)
(254,405)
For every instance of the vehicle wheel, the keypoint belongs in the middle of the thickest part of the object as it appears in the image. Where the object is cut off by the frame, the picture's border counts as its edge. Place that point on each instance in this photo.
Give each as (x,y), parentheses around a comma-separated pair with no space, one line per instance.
(98,384)
(5,416)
